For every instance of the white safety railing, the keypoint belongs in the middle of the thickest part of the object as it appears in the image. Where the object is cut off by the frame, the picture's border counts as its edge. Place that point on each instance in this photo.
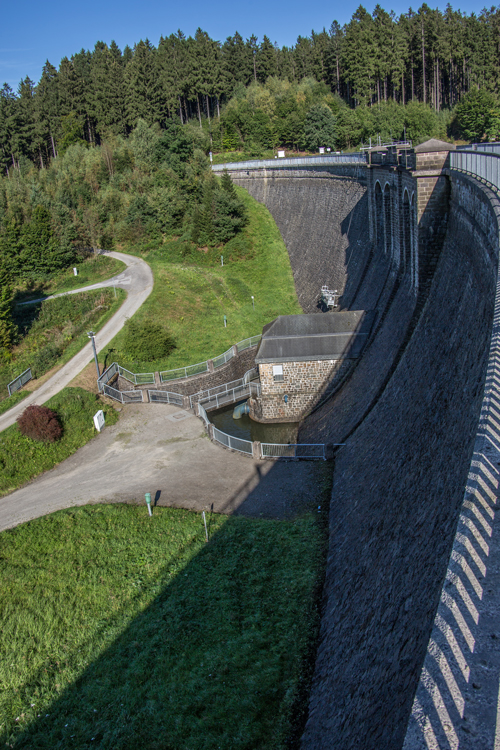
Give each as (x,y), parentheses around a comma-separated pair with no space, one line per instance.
(215,401)
(488,148)
(107,375)
(485,166)
(166,397)
(247,343)
(140,378)
(210,393)
(18,382)
(252,374)
(184,372)
(203,414)
(293,450)
(236,444)
(299,161)
(201,367)
(125,397)
(223,358)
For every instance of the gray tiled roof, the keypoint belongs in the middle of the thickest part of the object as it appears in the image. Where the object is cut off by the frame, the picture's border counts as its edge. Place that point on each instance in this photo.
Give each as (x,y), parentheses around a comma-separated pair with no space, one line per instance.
(315,336)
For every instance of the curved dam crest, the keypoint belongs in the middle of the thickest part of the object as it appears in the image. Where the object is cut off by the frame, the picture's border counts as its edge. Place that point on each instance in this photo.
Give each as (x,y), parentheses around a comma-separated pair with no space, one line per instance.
(423,252)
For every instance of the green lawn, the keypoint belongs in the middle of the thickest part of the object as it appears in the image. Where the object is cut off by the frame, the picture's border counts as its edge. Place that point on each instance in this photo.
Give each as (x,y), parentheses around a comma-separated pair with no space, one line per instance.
(121,631)
(22,458)
(192,294)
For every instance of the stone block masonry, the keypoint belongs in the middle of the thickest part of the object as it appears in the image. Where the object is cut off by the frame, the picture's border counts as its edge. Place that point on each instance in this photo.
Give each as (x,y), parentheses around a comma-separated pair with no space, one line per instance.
(232,370)
(398,488)
(303,384)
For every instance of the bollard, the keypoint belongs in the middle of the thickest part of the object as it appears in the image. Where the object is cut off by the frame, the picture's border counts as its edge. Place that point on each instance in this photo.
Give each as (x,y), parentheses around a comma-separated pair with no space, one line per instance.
(148,501)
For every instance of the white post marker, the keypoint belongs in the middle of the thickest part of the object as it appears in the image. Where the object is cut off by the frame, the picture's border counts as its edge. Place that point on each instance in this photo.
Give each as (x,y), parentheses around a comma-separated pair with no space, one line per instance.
(99,420)
(75,271)
(205,522)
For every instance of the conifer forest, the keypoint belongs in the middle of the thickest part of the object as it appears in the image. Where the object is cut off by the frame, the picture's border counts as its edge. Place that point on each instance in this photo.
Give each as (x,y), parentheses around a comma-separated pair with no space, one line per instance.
(112,146)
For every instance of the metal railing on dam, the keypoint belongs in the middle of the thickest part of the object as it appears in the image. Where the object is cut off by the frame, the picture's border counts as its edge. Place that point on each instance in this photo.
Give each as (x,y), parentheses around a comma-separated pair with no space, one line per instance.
(481,164)
(299,161)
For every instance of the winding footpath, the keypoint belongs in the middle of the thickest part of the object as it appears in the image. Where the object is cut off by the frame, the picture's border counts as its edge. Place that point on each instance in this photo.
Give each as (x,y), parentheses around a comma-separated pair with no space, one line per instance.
(137,280)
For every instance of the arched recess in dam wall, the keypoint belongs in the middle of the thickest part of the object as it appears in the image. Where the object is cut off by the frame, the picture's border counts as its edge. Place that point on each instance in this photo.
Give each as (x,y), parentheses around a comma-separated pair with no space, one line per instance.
(323,218)
(399,481)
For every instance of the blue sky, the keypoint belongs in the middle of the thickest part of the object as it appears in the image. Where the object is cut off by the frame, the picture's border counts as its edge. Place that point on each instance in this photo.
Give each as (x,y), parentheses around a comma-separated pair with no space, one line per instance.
(33,31)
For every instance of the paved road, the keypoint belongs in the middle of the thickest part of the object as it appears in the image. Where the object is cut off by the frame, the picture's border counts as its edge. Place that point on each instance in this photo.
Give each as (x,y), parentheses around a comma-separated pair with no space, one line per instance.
(137,280)
(164,450)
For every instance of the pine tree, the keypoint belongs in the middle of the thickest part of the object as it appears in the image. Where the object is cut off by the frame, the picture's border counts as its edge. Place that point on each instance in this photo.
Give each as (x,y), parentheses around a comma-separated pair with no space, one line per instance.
(7,328)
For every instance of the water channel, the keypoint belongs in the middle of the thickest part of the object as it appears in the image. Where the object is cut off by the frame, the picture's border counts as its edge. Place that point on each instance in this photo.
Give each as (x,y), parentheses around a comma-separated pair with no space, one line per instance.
(247,429)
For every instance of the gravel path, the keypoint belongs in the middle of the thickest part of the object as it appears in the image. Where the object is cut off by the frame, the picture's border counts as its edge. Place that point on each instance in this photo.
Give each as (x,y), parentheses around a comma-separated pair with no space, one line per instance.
(137,280)
(163,450)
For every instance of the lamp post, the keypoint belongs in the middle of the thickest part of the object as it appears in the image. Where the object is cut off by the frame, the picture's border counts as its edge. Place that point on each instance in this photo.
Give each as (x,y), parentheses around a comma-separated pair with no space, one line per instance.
(91,336)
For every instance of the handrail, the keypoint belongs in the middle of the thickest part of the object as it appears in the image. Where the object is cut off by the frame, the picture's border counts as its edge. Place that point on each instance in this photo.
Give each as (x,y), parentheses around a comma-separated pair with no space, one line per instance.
(485,166)
(299,161)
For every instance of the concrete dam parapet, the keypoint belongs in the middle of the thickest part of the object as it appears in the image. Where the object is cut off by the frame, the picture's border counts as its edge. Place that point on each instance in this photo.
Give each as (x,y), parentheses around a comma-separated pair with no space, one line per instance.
(421,248)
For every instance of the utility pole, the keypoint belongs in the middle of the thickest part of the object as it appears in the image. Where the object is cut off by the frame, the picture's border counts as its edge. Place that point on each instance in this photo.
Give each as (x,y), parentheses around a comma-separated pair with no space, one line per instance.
(91,336)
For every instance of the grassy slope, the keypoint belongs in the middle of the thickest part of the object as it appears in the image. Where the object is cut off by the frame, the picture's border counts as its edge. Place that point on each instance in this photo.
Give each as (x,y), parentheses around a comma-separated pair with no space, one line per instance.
(67,320)
(90,271)
(120,631)
(191,300)
(21,458)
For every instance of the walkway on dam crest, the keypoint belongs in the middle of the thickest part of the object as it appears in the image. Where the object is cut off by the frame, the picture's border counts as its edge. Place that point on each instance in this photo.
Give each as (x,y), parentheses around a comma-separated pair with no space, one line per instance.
(137,281)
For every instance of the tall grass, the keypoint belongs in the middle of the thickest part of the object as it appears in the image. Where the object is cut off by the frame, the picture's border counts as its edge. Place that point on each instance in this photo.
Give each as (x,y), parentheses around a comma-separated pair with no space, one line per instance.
(120,631)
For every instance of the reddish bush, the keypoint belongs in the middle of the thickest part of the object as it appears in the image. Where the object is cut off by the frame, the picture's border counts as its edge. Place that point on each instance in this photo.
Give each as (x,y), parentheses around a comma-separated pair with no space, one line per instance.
(40,423)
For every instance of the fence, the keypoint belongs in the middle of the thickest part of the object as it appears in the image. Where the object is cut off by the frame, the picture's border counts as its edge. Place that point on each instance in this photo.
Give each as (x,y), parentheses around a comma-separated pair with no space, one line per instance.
(485,166)
(299,161)
(166,397)
(247,343)
(489,148)
(220,390)
(201,367)
(294,450)
(223,358)
(183,372)
(140,378)
(126,397)
(230,395)
(18,382)
(107,375)
(236,444)
(203,414)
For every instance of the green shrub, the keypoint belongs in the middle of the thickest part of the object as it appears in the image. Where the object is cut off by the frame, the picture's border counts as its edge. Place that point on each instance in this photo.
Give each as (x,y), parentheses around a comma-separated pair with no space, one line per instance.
(147,340)
(45,358)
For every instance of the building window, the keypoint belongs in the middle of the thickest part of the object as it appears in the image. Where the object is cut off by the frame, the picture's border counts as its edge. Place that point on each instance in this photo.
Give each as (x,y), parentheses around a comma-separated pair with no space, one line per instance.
(278,373)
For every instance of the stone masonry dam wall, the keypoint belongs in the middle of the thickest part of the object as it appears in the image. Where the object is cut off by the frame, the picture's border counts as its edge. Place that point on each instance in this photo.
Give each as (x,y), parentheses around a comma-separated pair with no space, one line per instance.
(399,481)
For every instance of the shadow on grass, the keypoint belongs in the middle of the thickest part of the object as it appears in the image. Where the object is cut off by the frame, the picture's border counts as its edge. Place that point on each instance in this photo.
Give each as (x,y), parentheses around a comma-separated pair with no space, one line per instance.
(219,656)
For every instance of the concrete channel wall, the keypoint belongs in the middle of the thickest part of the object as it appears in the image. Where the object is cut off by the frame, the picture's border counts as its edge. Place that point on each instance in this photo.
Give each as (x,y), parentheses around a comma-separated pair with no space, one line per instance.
(410,412)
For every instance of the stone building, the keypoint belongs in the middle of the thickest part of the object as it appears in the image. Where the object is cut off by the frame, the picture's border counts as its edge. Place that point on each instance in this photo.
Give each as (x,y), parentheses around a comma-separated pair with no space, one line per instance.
(300,356)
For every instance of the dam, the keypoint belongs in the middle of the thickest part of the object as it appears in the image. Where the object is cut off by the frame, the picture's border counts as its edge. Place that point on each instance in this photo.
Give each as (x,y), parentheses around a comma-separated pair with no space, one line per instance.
(409,652)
